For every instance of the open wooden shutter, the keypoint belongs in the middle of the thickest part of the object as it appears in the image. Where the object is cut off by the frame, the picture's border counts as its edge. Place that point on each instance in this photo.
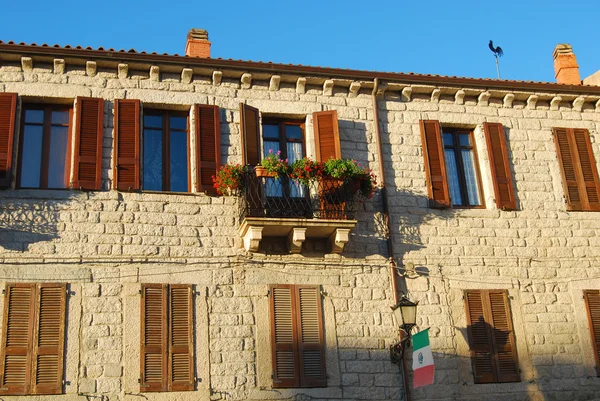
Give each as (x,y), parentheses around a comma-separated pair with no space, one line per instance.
(311,343)
(498,152)
(8,111)
(181,342)
(283,337)
(589,182)
(49,339)
(127,145)
(327,135)
(17,338)
(250,131)
(88,143)
(592,301)
(208,145)
(503,337)
(154,338)
(435,164)
(482,358)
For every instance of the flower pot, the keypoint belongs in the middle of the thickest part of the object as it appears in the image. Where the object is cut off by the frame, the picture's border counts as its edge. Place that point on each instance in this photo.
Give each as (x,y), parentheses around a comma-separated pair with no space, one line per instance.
(262,172)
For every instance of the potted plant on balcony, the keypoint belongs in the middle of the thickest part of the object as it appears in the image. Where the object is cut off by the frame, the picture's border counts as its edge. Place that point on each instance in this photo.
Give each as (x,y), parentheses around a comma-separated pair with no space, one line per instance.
(351,173)
(228,178)
(306,170)
(272,166)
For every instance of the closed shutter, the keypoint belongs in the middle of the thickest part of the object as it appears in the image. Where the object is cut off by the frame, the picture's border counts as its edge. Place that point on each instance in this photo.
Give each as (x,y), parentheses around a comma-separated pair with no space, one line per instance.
(208,146)
(435,165)
(479,339)
(578,167)
(250,131)
(283,337)
(127,145)
(311,350)
(499,164)
(327,135)
(592,301)
(154,338)
(181,345)
(8,111)
(88,143)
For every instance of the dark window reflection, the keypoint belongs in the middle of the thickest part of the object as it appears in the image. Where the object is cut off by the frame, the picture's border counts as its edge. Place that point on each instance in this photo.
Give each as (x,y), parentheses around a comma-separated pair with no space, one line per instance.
(34,116)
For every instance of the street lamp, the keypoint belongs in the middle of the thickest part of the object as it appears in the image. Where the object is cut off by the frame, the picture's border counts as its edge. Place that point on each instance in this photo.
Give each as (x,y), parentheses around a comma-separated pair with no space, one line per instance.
(405,313)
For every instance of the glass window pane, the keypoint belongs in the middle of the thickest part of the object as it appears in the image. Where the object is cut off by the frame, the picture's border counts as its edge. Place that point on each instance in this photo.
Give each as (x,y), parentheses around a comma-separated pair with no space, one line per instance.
(453,177)
(152,121)
(271,131)
(294,151)
(470,177)
(153,160)
(448,140)
(270,147)
(32,156)
(464,139)
(293,132)
(178,123)
(57,162)
(60,117)
(34,116)
(178,168)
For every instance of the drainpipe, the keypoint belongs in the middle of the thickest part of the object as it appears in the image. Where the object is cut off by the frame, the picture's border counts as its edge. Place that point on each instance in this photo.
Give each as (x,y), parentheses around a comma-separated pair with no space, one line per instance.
(388,223)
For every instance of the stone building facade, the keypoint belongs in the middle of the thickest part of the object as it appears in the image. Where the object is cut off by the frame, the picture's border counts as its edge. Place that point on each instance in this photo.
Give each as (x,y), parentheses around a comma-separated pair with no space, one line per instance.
(107,246)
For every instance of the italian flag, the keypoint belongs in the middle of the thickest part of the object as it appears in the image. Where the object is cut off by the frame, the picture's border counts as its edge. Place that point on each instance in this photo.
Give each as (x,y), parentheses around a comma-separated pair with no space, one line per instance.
(422,360)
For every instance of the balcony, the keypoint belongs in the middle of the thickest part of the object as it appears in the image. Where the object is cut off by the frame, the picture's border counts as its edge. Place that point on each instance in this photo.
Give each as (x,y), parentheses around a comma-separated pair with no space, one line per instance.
(284,208)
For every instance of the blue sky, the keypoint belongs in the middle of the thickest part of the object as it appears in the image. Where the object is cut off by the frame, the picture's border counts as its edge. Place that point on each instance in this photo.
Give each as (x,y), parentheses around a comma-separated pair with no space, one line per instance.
(429,37)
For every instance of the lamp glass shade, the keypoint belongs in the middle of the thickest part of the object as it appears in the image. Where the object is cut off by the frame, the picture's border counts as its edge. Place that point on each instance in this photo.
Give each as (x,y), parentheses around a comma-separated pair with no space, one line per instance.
(398,315)
(409,314)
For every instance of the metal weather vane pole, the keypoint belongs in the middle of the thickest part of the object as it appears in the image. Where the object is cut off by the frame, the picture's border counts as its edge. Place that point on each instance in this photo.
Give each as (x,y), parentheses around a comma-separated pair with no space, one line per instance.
(497,53)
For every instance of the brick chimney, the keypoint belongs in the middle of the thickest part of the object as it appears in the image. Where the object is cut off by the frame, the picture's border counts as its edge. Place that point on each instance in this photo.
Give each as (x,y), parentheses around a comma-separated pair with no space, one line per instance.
(566,69)
(197,43)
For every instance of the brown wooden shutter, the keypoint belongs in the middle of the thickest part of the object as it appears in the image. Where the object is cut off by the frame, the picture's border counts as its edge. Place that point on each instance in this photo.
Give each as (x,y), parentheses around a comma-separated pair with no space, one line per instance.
(17,338)
(88,143)
(578,167)
(250,130)
(181,342)
(311,344)
(479,339)
(592,302)
(435,164)
(49,339)
(154,338)
(327,135)
(208,145)
(127,145)
(283,337)
(8,112)
(498,152)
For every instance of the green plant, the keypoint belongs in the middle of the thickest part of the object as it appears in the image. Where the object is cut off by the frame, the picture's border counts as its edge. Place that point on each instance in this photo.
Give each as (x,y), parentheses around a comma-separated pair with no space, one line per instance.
(368,184)
(228,178)
(306,170)
(274,165)
(343,168)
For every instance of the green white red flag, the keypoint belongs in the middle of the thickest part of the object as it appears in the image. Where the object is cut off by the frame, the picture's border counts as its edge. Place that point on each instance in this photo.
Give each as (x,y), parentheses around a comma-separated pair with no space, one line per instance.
(422,360)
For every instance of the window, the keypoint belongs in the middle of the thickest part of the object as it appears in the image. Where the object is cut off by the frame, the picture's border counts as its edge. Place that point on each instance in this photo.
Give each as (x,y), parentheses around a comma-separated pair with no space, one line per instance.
(33,339)
(297,341)
(578,168)
(166,157)
(167,344)
(45,147)
(491,338)
(463,173)
(592,302)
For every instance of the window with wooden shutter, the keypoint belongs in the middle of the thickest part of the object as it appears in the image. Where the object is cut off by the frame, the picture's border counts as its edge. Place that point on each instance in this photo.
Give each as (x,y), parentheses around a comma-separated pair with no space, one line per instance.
(88,143)
(167,345)
(502,178)
(33,339)
(592,302)
(297,338)
(435,165)
(578,167)
(327,135)
(250,131)
(8,110)
(208,145)
(491,338)
(127,145)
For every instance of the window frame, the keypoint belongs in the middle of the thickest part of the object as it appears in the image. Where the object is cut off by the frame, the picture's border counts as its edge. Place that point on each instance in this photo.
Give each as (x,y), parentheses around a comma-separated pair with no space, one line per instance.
(46,134)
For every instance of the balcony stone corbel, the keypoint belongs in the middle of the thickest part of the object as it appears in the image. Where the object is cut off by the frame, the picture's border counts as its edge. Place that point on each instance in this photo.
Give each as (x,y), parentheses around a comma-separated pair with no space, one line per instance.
(246,80)
(578,103)
(252,238)
(217,77)
(555,103)
(508,100)
(338,239)
(459,97)
(295,239)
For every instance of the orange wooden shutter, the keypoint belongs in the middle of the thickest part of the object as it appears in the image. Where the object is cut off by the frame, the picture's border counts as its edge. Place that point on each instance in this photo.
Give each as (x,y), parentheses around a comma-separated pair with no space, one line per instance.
(283,337)
(589,183)
(311,344)
(592,301)
(17,338)
(484,369)
(250,131)
(435,165)
(49,339)
(327,135)
(8,111)
(88,143)
(181,342)
(503,337)
(127,145)
(208,145)
(499,164)
(154,338)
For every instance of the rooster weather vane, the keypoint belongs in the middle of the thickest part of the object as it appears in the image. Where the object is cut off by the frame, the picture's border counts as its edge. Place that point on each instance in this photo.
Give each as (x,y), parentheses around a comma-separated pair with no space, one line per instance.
(497,53)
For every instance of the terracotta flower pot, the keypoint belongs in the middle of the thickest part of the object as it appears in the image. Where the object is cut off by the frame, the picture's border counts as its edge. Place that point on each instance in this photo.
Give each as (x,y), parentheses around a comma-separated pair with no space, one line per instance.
(262,172)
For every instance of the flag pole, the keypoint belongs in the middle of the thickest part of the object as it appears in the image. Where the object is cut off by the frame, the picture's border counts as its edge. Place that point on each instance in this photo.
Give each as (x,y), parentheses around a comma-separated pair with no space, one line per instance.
(497,66)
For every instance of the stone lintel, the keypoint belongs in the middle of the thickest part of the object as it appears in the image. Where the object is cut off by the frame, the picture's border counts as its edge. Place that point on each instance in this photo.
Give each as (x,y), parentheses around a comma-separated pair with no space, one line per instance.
(296,238)
(338,239)
(246,80)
